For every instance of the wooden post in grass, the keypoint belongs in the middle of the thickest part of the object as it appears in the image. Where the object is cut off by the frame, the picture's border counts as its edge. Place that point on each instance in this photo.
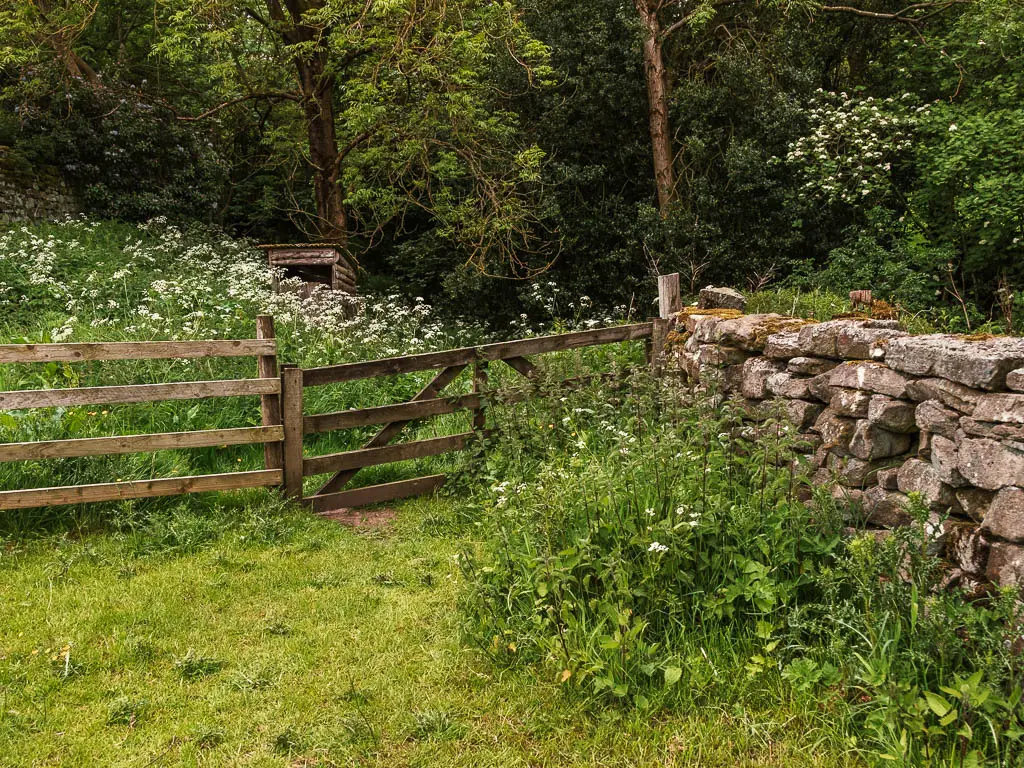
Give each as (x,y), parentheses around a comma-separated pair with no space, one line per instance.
(669,299)
(270,405)
(480,387)
(660,328)
(291,412)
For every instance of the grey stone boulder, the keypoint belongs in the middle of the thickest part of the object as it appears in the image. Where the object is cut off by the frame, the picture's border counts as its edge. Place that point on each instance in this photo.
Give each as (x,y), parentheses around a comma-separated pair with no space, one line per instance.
(811,366)
(944,459)
(819,388)
(870,376)
(1005,564)
(892,414)
(1005,517)
(850,402)
(1004,407)
(721,298)
(989,464)
(930,416)
(975,501)
(754,378)
(887,509)
(869,441)
(854,472)
(719,355)
(1015,380)
(917,476)
(979,363)
(950,394)
(835,430)
(788,385)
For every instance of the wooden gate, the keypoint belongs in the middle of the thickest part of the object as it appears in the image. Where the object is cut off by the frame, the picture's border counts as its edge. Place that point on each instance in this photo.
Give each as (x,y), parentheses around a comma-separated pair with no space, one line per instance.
(393,419)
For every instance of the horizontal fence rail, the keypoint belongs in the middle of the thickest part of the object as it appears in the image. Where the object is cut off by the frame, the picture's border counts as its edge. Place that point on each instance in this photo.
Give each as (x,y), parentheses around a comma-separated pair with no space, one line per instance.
(266,385)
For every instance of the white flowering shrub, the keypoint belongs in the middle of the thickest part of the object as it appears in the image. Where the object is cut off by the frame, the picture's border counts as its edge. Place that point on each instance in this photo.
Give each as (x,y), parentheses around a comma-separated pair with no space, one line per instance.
(853,143)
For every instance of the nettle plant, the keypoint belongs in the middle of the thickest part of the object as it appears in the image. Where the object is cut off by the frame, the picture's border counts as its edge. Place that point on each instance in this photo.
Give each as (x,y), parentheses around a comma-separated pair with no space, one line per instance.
(627,525)
(852,145)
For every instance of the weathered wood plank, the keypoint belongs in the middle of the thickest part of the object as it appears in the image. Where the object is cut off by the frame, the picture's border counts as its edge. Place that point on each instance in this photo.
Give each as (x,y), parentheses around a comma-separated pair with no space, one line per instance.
(479,387)
(333,374)
(669,299)
(564,341)
(136,393)
(384,414)
(163,441)
(137,489)
(391,431)
(134,350)
(522,365)
(374,494)
(371,457)
(270,405)
(291,407)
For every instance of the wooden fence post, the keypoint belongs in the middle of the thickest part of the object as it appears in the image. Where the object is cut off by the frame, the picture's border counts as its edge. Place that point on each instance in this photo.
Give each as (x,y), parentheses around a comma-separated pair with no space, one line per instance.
(270,405)
(656,354)
(291,411)
(669,299)
(480,387)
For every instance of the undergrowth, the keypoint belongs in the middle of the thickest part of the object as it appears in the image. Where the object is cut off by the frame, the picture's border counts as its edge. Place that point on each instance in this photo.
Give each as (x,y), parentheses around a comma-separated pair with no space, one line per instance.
(648,547)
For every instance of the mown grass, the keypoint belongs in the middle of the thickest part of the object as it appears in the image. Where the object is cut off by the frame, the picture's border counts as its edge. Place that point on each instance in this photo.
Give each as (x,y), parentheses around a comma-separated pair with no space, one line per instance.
(257,635)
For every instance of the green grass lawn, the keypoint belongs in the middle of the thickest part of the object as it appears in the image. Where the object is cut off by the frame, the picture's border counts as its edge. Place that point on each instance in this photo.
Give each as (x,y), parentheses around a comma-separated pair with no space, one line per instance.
(261,636)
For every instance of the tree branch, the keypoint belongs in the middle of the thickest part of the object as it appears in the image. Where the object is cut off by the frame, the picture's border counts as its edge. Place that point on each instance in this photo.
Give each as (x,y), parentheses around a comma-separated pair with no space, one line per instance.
(269,95)
(899,17)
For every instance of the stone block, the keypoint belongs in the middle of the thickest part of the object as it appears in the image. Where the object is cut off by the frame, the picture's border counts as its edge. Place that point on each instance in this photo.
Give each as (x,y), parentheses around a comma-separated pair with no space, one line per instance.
(1004,407)
(1009,432)
(948,393)
(721,298)
(981,363)
(930,416)
(751,332)
(989,464)
(788,385)
(835,430)
(886,509)
(975,501)
(892,414)
(846,339)
(854,472)
(888,478)
(782,346)
(802,413)
(850,402)
(819,388)
(811,366)
(966,547)
(717,355)
(944,459)
(1005,564)
(1005,517)
(869,441)
(1015,380)
(917,476)
(870,376)
(754,379)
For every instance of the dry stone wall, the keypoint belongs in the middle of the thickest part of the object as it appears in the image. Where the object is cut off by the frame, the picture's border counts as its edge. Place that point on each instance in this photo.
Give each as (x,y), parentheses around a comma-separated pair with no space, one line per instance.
(33,194)
(887,414)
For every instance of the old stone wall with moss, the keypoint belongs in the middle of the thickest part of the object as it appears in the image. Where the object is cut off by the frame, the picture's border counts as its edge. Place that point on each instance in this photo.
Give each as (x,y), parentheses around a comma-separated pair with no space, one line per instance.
(884,414)
(33,193)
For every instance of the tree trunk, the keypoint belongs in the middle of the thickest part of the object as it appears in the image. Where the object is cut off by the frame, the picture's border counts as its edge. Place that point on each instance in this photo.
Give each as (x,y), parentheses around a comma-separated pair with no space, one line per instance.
(317,86)
(657,105)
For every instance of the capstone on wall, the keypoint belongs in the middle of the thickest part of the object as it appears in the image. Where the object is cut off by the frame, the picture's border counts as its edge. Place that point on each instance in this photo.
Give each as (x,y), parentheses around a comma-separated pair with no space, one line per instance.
(887,414)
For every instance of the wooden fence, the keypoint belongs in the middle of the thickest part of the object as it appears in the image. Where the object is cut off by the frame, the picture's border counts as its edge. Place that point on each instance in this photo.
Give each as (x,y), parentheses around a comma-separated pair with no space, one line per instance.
(267,385)
(284,423)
